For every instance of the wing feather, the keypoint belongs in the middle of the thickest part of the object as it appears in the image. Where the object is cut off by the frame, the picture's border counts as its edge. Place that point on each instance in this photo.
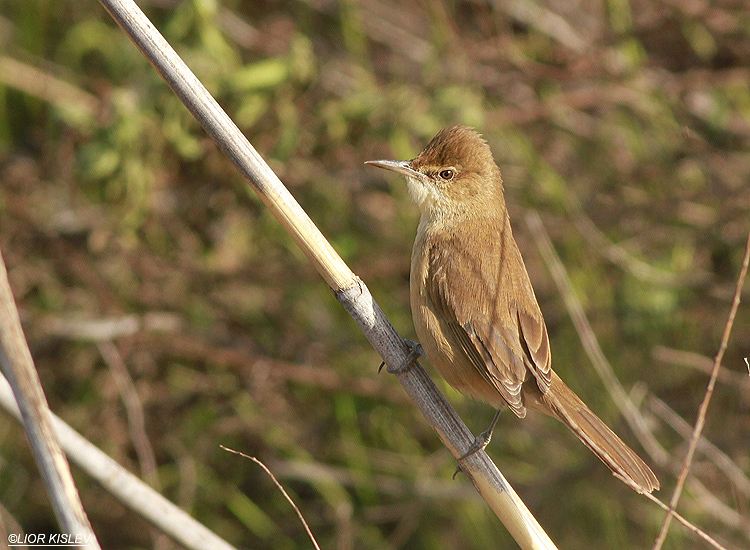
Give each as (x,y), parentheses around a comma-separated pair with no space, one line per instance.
(490,309)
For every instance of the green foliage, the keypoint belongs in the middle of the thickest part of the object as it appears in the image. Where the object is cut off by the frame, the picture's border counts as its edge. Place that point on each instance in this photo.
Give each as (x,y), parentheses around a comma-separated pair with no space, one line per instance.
(626,123)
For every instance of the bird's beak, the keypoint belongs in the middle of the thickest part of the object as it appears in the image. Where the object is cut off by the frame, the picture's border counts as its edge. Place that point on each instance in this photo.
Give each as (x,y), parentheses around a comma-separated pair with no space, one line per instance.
(400,166)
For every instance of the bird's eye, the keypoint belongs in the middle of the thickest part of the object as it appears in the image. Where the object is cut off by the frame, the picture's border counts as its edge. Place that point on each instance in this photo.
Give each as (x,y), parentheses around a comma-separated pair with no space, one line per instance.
(447,175)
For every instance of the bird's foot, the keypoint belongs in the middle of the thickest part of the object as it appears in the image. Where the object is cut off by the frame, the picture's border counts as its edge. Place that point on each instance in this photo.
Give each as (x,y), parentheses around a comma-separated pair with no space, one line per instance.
(415,352)
(479,443)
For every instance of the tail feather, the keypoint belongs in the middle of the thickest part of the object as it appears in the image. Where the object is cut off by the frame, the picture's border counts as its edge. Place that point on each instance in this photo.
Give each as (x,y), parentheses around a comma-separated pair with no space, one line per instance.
(565,405)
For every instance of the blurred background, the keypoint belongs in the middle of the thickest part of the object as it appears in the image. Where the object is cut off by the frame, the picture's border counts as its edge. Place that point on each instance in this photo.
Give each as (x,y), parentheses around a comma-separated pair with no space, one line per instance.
(168,312)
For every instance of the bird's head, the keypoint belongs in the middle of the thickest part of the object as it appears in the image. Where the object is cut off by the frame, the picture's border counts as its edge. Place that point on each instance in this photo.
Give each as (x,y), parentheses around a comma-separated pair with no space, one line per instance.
(454,175)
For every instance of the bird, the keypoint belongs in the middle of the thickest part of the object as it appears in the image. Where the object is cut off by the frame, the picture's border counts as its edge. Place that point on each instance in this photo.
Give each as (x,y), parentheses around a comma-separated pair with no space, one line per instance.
(473,306)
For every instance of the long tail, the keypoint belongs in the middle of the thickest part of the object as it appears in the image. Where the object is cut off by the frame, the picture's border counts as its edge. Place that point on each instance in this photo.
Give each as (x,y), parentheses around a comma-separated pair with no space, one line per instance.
(565,405)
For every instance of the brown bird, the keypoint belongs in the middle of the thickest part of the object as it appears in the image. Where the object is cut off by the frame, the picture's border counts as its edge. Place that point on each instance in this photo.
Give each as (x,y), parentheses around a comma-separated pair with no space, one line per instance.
(474,309)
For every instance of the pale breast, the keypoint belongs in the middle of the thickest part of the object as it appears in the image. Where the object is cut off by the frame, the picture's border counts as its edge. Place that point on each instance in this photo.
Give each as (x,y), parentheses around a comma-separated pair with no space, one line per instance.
(439,344)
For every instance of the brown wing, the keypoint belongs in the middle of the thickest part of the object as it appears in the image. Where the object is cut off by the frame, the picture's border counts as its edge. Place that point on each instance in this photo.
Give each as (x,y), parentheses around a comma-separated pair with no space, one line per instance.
(491,309)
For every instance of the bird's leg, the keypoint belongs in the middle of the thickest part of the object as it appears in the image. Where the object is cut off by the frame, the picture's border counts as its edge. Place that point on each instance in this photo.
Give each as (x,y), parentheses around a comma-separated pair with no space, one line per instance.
(415,352)
(483,439)
(480,441)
